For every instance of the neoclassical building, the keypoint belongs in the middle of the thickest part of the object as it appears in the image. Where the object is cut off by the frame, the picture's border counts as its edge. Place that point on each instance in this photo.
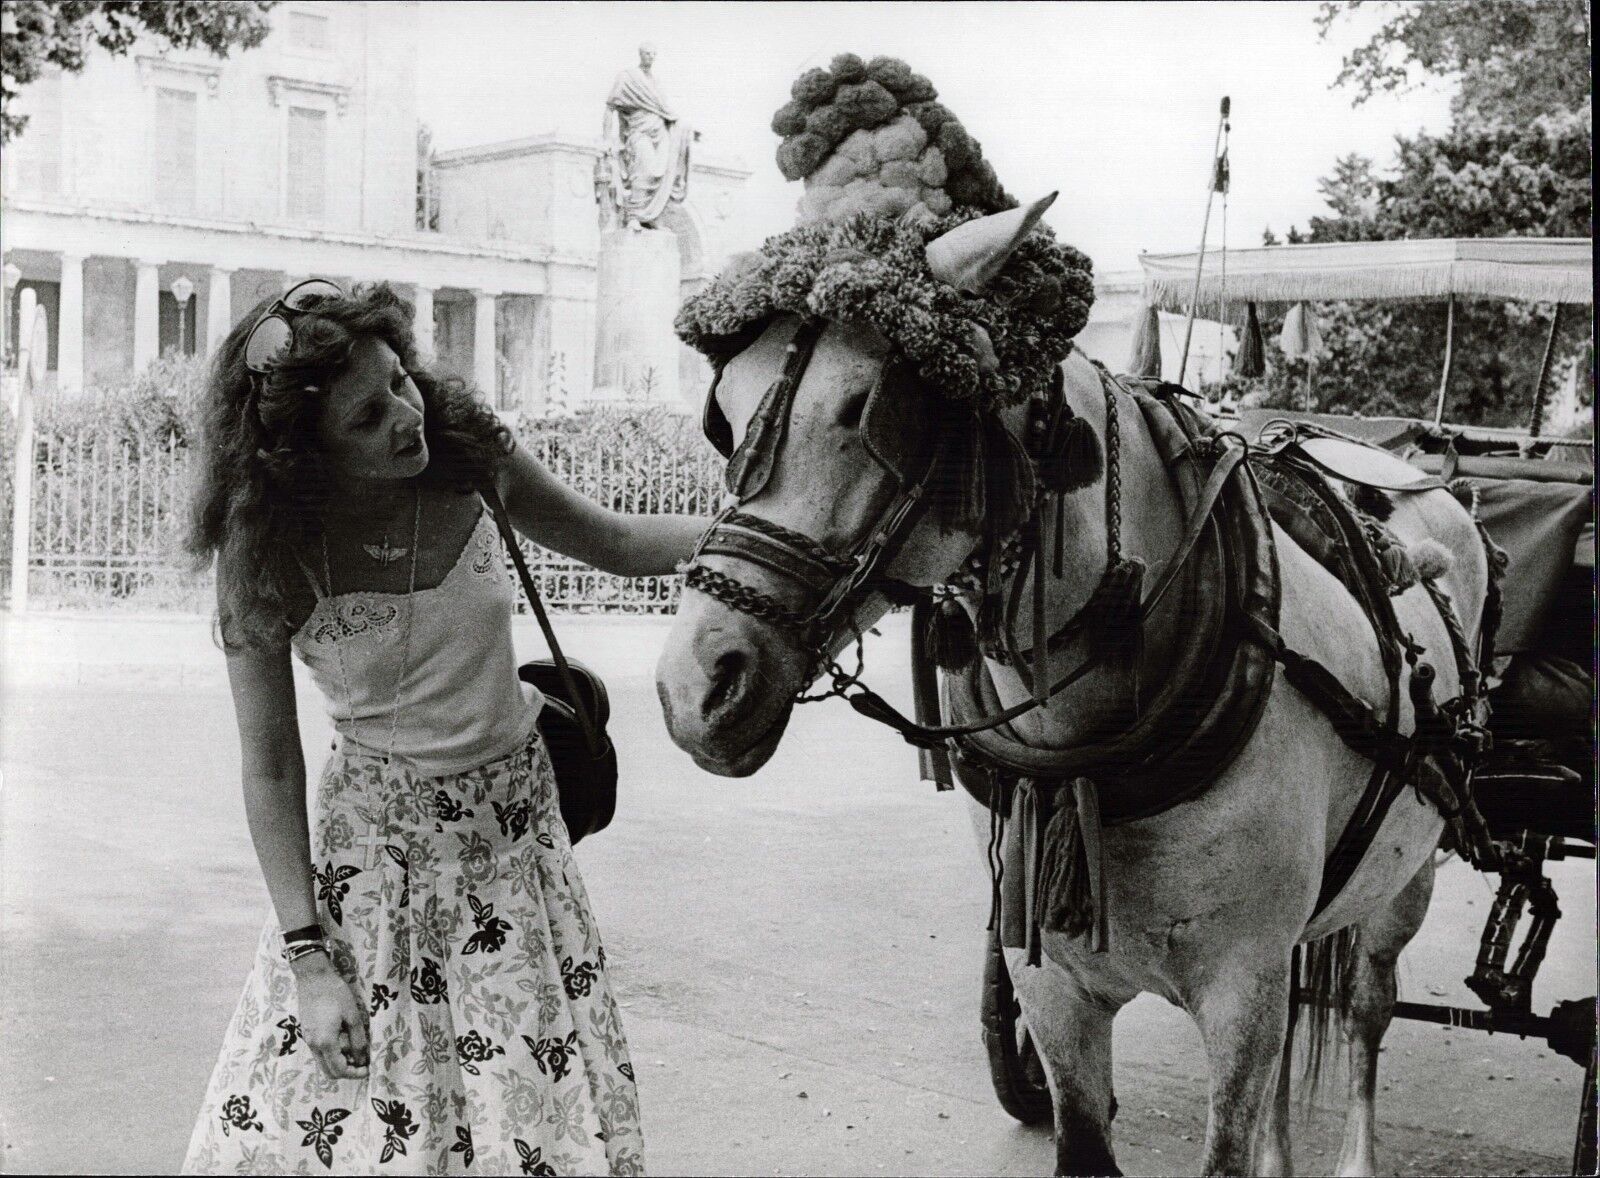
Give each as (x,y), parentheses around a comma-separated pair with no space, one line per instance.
(158,175)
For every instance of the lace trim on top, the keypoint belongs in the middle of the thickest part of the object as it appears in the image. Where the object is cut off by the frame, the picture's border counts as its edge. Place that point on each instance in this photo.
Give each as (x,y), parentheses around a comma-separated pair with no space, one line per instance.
(371,612)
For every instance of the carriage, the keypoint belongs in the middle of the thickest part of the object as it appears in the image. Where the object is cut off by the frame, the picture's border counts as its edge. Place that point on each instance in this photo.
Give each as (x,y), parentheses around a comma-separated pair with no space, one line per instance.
(1535,495)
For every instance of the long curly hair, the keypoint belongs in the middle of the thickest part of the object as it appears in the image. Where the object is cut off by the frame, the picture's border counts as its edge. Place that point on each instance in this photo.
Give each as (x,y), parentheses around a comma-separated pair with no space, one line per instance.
(263,479)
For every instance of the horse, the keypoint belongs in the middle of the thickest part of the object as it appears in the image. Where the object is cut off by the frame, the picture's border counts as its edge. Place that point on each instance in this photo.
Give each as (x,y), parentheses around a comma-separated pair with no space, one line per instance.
(1206,902)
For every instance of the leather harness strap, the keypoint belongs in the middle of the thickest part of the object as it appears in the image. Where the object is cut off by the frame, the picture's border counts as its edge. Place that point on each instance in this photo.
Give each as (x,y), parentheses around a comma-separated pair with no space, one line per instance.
(870,704)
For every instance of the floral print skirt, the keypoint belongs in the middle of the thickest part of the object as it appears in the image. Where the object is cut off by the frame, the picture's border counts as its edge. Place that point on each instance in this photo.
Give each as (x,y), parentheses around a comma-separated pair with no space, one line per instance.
(455,907)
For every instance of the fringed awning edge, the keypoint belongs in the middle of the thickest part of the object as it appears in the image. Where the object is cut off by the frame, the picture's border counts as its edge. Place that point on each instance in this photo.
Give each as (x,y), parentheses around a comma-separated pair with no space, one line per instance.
(1534,270)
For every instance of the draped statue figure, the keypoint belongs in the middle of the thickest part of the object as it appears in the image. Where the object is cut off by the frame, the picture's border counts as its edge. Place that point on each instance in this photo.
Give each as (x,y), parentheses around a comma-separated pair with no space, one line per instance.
(646,161)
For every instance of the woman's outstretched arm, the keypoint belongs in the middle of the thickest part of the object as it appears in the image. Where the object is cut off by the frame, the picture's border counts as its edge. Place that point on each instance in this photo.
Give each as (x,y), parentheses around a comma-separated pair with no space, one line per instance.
(273,772)
(554,516)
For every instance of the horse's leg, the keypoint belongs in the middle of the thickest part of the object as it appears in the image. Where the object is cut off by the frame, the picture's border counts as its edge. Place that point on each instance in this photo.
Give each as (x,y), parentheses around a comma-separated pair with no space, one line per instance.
(1370,1000)
(1273,1155)
(1072,1031)
(1243,1014)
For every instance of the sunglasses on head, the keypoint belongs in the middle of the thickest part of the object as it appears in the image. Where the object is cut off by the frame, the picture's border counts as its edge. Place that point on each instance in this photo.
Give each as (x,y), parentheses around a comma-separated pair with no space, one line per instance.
(274,332)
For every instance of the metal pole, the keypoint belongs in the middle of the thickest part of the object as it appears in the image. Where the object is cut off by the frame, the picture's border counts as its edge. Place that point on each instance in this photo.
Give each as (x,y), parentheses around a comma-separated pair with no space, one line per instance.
(1200,261)
(22,478)
(1536,418)
(1449,359)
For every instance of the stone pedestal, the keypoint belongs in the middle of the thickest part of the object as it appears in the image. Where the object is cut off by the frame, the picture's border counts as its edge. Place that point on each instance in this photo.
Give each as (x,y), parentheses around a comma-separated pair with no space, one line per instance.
(636,298)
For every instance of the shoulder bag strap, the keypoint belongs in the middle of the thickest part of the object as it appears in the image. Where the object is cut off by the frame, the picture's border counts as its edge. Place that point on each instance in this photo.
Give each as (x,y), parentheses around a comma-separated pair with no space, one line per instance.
(492,498)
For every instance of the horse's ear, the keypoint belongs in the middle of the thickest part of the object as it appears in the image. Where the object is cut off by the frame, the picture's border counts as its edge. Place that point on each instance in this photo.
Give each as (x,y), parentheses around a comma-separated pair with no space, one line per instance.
(969,256)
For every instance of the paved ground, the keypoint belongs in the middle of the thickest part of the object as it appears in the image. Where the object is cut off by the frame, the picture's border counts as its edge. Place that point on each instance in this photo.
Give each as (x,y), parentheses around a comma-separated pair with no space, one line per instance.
(797,954)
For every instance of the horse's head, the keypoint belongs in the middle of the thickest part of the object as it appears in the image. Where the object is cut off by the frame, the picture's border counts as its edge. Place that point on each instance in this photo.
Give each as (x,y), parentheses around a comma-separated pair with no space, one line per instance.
(835,451)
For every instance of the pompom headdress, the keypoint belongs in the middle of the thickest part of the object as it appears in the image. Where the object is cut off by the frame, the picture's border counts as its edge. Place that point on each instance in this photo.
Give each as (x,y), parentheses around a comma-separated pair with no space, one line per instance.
(887,169)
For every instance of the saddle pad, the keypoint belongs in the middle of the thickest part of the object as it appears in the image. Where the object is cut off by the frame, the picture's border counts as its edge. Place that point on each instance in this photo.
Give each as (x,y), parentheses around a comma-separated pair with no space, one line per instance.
(1309,522)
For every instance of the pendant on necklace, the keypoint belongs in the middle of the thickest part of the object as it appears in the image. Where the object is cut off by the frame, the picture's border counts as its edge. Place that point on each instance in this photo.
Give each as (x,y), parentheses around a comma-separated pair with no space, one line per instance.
(382,553)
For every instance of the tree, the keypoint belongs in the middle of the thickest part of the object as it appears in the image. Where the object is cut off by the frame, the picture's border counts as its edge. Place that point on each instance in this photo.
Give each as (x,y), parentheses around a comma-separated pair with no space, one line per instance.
(61,33)
(1513,59)
(1516,161)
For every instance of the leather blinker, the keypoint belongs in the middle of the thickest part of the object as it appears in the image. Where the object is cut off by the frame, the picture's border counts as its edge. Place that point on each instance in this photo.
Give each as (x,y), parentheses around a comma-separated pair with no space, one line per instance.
(898,425)
(750,466)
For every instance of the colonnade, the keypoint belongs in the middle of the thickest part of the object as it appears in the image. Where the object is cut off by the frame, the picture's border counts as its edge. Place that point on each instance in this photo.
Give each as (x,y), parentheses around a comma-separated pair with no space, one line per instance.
(218,317)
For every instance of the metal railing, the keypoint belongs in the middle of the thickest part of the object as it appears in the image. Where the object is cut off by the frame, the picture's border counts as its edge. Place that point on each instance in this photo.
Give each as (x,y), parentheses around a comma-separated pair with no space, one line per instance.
(108,510)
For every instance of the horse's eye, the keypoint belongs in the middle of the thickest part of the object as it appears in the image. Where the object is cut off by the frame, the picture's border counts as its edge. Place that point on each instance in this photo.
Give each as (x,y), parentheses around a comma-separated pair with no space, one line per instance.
(850,411)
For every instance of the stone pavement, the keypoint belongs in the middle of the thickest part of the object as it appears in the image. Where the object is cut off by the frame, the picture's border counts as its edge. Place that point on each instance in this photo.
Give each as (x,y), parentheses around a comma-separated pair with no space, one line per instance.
(797,953)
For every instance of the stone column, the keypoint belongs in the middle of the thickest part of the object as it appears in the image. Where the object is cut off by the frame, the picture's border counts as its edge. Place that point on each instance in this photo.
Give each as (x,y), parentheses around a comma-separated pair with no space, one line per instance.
(422,324)
(636,298)
(146,313)
(484,366)
(219,308)
(69,352)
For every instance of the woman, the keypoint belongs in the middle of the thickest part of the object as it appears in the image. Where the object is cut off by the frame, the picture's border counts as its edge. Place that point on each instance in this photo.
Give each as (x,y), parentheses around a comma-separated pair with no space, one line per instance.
(431,994)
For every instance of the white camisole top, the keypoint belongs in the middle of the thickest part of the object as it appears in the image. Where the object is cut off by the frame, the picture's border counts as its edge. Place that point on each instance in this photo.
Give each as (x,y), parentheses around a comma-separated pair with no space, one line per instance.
(461,704)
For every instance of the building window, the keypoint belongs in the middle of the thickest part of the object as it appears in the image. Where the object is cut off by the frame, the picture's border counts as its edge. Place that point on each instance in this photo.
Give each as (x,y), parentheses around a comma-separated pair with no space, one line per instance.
(175,137)
(36,163)
(307,30)
(308,142)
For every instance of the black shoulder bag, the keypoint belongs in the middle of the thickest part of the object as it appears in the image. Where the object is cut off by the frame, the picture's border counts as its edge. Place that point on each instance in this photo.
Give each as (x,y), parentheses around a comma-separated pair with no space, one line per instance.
(576,709)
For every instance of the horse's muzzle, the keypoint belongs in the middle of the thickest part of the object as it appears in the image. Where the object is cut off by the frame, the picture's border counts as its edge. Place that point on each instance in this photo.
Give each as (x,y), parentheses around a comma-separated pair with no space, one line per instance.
(726,689)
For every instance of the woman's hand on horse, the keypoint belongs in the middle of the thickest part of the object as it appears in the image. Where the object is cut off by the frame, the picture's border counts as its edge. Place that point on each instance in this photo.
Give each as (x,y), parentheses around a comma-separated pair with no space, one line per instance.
(332,1020)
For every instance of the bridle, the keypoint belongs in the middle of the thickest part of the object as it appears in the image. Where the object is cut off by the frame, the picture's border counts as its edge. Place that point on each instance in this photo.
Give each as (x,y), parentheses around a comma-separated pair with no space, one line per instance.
(836,582)
(832,584)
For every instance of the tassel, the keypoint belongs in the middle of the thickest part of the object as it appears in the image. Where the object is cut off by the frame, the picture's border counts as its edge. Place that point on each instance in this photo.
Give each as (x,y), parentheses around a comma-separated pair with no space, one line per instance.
(1144,357)
(1071,894)
(1112,616)
(1073,460)
(1086,796)
(1065,900)
(952,642)
(1115,623)
(1250,360)
(1070,457)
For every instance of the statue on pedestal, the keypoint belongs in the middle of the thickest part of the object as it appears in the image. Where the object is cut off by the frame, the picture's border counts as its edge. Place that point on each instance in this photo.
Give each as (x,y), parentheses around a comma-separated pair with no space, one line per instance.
(646,162)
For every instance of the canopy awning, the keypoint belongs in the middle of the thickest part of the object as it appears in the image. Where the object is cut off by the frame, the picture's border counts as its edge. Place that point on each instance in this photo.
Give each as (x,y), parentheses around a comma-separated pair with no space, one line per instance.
(1531,269)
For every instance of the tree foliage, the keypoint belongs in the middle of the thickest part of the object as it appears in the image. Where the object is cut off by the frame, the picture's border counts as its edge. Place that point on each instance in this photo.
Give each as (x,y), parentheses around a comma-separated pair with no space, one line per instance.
(1516,162)
(40,34)
(1512,59)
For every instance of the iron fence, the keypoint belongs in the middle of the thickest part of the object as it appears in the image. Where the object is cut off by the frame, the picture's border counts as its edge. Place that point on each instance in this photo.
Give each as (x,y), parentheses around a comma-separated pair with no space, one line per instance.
(109,506)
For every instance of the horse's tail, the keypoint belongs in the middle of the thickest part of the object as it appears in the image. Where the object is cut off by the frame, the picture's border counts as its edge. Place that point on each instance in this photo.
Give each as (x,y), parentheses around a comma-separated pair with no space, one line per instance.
(1322,989)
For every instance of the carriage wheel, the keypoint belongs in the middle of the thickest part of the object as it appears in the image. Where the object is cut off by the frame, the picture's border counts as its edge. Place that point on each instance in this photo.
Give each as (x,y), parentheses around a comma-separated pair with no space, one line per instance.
(1014,1063)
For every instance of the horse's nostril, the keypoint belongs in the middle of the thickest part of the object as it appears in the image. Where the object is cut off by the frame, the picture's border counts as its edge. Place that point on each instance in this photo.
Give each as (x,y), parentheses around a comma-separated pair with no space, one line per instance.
(726,674)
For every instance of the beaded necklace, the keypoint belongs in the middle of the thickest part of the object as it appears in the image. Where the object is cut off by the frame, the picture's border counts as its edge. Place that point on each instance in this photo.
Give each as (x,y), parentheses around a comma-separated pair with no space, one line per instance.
(405,648)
